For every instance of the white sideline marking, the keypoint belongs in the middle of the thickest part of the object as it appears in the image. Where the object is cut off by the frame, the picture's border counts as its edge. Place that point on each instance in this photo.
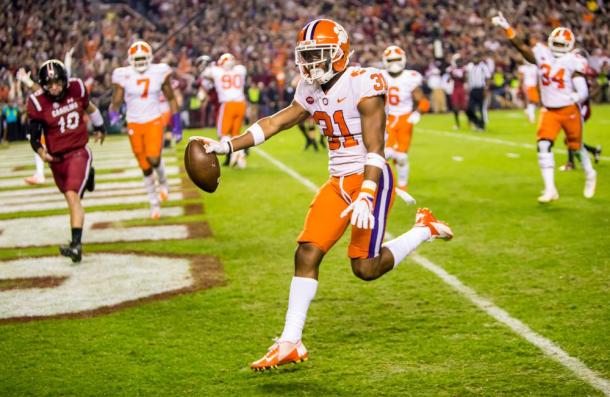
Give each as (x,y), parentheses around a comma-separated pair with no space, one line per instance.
(309,184)
(457,158)
(546,345)
(491,140)
(106,187)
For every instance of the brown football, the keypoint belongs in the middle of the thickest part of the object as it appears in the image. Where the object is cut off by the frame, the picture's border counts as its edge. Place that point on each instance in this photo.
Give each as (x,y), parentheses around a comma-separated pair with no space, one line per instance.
(203,168)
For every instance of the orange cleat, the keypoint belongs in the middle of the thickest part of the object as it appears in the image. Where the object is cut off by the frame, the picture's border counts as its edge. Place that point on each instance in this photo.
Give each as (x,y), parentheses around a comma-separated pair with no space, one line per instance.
(155,213)
(163,194)
(438,229)
(280,353)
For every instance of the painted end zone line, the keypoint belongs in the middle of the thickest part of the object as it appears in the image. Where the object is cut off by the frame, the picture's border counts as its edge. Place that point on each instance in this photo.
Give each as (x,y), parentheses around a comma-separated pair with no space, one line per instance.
(546,345)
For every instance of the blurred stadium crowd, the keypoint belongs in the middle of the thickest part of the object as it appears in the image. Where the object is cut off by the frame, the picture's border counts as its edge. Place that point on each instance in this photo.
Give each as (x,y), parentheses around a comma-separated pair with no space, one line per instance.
(261,33)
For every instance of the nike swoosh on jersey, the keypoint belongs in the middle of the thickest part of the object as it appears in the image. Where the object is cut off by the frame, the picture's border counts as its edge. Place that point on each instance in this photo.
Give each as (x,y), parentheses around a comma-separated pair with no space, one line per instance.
(339,100)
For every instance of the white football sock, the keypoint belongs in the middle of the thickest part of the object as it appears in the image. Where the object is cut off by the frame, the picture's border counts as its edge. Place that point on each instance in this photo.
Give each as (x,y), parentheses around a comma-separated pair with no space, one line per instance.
(585,160)
(160,171)
(302,292)
(546,161)
(149,184)
(530,110)
(39,167)
(402,169)
(407,242)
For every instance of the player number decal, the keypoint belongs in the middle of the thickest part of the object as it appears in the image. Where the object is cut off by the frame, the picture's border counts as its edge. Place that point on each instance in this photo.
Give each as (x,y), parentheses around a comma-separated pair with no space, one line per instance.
(231,81)
(393,98)
(380,83)
(334,142)
(69,122)
(557,77)
(146,83)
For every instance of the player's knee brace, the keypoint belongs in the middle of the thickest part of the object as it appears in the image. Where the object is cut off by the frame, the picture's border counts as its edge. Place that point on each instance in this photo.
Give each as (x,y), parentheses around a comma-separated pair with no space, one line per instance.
(544,146)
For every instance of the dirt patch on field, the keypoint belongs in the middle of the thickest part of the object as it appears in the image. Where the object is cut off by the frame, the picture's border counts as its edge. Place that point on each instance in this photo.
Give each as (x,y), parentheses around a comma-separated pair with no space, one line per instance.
(206,272)
(34,282)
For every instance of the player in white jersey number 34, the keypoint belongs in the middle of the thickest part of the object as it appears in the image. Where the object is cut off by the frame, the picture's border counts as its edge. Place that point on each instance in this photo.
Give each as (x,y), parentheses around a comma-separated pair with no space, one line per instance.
(348,103)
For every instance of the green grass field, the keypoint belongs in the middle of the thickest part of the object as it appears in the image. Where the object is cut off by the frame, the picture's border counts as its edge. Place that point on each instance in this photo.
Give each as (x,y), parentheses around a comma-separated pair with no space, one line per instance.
(406,334)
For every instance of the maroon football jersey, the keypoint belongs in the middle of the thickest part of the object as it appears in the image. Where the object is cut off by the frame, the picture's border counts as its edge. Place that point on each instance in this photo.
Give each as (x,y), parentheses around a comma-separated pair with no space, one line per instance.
(64,127)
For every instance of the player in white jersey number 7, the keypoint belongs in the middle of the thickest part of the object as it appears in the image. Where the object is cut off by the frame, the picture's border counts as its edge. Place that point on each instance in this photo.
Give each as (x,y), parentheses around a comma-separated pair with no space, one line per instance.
(348,103)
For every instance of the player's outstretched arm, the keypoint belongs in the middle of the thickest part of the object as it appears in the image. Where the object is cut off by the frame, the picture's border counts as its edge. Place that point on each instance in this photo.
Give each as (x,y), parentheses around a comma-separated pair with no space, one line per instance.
(118,94)
(372,118)
(98,123)
(260,131)
(515,40)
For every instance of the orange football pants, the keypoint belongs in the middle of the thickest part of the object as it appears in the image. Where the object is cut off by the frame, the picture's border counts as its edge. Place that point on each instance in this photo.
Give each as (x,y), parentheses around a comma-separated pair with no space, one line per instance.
(324,225)
(400,132)
(532,94)
(568,118)
(146,140)
(230,118)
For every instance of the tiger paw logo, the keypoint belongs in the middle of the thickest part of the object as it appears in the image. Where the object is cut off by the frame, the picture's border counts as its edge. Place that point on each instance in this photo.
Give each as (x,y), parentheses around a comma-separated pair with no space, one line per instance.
(341,34)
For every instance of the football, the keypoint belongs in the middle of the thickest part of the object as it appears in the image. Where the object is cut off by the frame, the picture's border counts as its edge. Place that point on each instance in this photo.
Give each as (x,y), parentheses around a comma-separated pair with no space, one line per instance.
(203,168)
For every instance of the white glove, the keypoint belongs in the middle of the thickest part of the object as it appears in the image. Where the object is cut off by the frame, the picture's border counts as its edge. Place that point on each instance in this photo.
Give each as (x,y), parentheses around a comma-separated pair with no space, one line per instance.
(414,117)
(500,21)
(24,77)
(362,211)
(212,146)
(407,198)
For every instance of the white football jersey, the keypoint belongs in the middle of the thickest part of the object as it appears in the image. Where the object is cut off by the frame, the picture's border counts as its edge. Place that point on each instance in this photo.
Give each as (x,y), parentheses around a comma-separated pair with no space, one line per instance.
(336,113)
(229,84)
(142,90)
(530,75)
(555,75)
(400,91)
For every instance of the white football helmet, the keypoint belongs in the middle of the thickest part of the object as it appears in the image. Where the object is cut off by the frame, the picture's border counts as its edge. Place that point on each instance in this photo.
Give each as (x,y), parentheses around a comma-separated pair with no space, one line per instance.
(561,41)
(394,59)
(140,56)
(226,61)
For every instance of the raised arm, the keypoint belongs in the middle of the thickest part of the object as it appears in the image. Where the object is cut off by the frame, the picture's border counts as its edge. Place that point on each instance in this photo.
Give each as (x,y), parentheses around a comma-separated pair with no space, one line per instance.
(260,131)
(515,40)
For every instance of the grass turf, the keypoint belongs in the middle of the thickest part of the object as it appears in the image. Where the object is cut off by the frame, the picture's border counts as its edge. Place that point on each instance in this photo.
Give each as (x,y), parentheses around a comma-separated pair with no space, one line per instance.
(405,334)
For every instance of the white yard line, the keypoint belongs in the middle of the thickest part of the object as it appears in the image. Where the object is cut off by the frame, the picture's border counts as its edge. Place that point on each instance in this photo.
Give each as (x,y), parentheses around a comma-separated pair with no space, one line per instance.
(487,139)
(56,202)
(547,346)
(517,326)
(101,189)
